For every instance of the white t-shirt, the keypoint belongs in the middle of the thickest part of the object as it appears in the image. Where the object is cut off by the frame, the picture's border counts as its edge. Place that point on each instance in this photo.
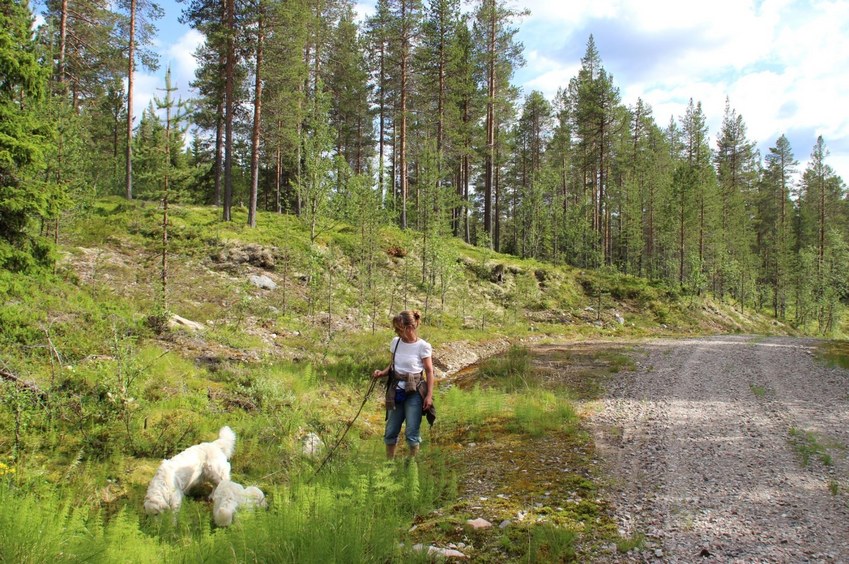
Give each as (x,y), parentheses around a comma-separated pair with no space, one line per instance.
(409,356)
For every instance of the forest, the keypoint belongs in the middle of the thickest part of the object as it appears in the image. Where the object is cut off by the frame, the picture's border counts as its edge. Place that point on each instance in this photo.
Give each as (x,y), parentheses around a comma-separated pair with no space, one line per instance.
(410,117)
(234,259)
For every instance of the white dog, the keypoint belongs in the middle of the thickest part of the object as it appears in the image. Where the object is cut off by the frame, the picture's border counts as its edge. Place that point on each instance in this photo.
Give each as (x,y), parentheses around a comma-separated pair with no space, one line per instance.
(177,476)
(230,496)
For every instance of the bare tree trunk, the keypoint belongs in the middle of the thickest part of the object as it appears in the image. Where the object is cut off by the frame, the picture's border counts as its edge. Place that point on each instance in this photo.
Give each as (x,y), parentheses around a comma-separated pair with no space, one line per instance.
(402,164)
(489,161)
(278,171)
(382,126)
(229,106)
(219,152)
(131,48)
(256,125)
(467,232)
(63,35)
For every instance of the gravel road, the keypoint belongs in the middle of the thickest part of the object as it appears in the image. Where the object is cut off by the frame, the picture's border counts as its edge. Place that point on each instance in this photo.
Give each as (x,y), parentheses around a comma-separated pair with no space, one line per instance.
(706,444)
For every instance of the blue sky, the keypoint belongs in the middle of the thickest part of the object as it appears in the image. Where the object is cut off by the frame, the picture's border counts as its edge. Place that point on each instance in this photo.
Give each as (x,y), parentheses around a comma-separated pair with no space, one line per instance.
(783,64)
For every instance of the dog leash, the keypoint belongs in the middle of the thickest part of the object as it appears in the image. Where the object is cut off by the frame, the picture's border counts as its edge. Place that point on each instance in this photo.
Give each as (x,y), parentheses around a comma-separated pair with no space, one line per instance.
(347,428)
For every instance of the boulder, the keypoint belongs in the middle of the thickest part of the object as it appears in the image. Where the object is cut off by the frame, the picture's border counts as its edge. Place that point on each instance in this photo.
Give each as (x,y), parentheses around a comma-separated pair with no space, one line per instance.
(177,322)
(312,445)
(478,523)
(263,282)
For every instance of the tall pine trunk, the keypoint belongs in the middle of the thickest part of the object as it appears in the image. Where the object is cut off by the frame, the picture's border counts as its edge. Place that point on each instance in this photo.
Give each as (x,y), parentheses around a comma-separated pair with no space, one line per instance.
(229,106)
(402,161)
(256,125)
(489,161)
(131,48)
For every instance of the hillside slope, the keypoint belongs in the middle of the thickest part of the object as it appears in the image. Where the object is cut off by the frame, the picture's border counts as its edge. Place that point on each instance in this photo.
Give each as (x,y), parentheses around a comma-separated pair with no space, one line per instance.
(269,292)
(274,335)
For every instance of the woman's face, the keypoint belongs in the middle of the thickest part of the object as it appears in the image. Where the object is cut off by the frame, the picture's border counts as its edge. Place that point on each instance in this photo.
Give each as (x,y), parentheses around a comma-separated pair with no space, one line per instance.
(407,332)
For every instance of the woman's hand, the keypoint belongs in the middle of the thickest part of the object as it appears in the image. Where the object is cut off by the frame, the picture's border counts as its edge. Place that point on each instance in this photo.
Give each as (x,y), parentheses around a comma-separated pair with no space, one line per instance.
(428,401)
(378,374)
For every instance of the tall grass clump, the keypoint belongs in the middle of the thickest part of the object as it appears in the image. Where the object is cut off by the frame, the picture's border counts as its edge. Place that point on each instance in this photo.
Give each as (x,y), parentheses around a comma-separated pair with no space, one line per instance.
(469,412)
(357,511)
(549,543)
(512,371)
(539,412)
(34,528)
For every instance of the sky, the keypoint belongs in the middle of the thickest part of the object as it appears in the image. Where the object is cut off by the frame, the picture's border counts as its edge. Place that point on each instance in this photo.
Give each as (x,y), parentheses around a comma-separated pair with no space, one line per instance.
(783,65)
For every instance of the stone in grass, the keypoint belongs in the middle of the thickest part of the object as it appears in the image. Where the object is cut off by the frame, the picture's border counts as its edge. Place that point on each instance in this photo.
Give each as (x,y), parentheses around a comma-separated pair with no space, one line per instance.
(177,322)
(263,282)
(479,523)
(436,551)
(312,445)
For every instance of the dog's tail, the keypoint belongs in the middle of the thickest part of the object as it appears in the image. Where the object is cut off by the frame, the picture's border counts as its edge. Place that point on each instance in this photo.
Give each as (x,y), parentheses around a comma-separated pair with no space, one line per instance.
(226,441)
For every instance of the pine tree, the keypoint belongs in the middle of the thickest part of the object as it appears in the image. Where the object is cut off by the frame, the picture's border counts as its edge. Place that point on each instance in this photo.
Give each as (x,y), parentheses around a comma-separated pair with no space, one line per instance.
(350,113)
(286,98)
(24,138)
(140,32)
(378,38)
(595,102)
(736,169)
(316,182)
(407,16)
(822,226)
(498,55)
(694,195)
(464,110)
(259,46)
(86,51)
(533,132)
(775,235)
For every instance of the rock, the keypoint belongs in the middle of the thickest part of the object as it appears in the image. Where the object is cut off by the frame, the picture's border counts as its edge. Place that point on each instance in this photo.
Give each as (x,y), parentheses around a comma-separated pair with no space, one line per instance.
(497,274)
(436,551)
(541,276)
(619,319)
(253,254)
(504,524)
(478,523)
(263,282)
(312,445)
(177,322)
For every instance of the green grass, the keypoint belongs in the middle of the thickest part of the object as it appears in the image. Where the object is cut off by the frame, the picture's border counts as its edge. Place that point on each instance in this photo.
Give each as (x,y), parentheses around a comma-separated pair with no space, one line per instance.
(808,446)
(758,391)
(512,370)
(538,412)
(635,541)
(122,397)
(834,353)
(360,510)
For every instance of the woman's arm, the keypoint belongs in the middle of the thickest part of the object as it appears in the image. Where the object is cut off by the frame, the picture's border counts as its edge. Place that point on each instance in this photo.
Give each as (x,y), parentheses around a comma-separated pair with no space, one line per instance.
(428,368)
(381,373)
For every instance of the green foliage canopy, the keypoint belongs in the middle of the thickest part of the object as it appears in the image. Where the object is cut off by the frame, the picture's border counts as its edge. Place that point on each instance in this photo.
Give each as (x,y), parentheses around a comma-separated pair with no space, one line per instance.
(24,137)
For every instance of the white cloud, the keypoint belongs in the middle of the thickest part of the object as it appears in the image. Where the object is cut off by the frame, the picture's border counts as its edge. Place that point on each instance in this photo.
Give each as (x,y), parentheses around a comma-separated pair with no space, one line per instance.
(363,11)
(179,55)
(784,64)
(144,89)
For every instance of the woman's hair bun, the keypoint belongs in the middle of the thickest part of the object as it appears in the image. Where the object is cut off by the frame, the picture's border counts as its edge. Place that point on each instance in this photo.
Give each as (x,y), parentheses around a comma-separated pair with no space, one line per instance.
(417,315)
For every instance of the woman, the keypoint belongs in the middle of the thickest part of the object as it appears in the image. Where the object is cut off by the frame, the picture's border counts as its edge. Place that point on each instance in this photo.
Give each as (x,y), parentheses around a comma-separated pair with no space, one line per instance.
(409,392)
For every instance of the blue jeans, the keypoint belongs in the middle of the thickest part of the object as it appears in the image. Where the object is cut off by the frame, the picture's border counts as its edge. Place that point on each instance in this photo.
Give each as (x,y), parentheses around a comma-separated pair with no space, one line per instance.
(409,411)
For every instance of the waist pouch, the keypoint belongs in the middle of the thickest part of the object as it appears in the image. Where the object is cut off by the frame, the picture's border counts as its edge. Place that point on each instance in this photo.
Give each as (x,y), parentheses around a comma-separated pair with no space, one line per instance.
(400,395)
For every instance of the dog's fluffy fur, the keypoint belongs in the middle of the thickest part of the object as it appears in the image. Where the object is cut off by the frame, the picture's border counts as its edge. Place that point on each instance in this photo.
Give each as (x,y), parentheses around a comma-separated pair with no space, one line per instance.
(230,496)
(179,475)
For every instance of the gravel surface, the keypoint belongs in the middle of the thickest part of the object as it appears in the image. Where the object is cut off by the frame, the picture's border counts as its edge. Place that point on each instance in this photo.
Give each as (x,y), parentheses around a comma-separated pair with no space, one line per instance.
(706,442)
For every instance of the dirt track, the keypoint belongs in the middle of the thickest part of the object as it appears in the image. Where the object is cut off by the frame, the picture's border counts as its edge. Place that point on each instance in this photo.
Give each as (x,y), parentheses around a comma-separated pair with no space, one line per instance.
(705,441)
